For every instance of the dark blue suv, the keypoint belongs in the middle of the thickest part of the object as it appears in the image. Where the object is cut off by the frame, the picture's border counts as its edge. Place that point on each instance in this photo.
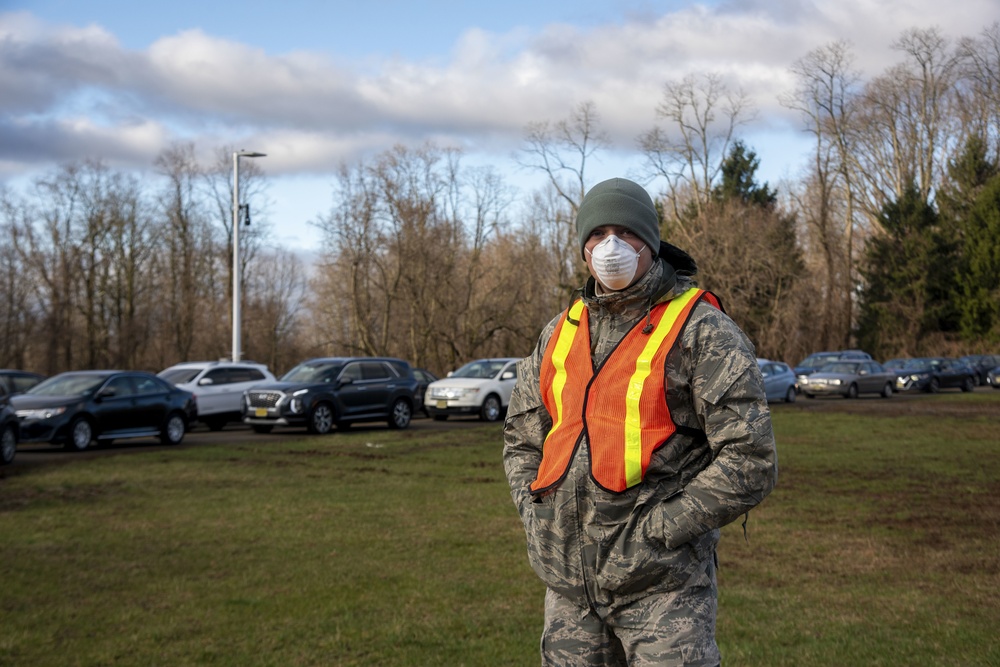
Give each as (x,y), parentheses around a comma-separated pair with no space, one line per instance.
(335,391)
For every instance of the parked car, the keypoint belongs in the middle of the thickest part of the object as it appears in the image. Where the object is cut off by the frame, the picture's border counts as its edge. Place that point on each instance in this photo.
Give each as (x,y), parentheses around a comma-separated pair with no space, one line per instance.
(334,391)
(9,431)
(79,407)
(17,382)
(218,386)
(848,379)
(931,374)
(982,364)
(480,387)
(780,382)
(993,378)
(424,378)
(817,360)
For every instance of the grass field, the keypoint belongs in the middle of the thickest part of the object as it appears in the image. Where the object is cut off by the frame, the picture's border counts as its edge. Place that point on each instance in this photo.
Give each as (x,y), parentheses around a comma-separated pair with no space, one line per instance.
(880,546)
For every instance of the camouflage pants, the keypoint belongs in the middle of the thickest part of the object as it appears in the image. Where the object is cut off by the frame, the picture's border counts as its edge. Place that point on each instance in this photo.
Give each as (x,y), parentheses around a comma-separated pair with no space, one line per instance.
(668,629)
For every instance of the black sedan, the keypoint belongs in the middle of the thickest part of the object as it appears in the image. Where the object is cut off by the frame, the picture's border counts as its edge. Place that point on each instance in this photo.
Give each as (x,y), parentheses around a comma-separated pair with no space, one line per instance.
(931,374)
(79,407)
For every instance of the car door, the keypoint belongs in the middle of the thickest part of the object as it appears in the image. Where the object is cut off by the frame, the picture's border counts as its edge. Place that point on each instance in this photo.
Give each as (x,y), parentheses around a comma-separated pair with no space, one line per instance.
(378,382)
(771,380)
(868,379)
(212,389)
(351,390)
(152,400)
(507,379)
(114,407)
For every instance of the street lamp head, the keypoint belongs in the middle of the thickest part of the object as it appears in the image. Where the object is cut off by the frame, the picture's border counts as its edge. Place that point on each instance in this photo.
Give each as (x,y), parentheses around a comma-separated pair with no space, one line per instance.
(250,154)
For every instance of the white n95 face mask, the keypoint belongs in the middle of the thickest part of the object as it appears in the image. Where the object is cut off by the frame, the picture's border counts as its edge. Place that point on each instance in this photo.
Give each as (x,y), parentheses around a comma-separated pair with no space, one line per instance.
(615,262)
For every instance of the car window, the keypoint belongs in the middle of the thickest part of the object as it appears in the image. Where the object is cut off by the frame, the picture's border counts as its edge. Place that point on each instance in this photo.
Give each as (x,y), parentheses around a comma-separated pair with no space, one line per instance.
(23,382)
(781,368)
(375,370)
(352,372)
(253,375)
(841,367)
(218,376)
(241,375)
(147,385)
(179,375)
(311,373)
(68,384)
(119,387)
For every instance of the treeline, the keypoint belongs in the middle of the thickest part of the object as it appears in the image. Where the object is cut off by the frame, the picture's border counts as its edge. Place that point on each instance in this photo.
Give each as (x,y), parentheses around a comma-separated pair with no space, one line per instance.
(889,240)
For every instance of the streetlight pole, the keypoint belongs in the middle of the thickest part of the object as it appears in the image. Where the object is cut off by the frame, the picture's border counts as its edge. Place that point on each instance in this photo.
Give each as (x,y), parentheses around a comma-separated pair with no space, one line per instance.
(237,346)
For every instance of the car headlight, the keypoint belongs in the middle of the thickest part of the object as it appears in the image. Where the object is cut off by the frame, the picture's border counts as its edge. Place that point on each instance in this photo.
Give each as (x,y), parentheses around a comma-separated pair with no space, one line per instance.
(40,413)
(836,383)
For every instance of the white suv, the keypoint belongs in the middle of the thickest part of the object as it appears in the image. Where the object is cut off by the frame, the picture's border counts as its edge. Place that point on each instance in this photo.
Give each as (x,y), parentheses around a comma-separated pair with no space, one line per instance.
(480,387)
(219,386)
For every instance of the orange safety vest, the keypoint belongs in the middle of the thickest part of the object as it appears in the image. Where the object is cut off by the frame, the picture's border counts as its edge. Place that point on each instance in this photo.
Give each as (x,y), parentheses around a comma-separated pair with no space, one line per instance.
(622,407)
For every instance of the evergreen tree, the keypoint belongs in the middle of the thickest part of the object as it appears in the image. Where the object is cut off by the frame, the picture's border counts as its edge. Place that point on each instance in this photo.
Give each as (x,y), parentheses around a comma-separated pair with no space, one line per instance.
(739,180)
(970,206)
(908,272)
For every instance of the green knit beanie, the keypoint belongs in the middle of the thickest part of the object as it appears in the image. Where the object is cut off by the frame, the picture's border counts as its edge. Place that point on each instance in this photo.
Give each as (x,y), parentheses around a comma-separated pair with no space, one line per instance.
(619,201)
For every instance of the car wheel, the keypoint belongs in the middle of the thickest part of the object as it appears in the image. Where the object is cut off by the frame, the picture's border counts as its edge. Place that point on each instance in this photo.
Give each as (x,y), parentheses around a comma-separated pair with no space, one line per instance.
(887,391)
(80,435)
(257,428)
(321,419)
(490,412)
(400,415)
(173,431)
(934,386)
(968,385)
(852,391)
(441,418)
(8,445)
(790,395)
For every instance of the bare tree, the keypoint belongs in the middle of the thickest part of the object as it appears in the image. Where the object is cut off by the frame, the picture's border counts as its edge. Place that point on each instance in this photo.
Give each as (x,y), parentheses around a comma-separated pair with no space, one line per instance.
(827,85)
(702,116)
(979,94)
(561,151)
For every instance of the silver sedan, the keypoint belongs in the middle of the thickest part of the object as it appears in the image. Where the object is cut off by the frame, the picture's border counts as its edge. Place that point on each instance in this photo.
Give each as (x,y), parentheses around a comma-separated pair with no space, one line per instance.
(848,379)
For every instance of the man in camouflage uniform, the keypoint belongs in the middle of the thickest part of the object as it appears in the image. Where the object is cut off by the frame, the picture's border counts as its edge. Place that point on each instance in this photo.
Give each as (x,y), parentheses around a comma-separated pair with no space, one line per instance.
(631,574)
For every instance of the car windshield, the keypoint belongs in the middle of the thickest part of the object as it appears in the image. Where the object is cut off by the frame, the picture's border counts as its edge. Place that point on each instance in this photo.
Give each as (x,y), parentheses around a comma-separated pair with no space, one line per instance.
(310,372)
(179,375)
(72,384)
(817,360)
(919,364)
(479,369)
(844,367)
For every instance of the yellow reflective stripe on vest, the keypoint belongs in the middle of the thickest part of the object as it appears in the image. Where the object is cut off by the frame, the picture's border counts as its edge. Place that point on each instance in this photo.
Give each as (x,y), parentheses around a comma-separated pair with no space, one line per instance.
(563,344)
(643,367)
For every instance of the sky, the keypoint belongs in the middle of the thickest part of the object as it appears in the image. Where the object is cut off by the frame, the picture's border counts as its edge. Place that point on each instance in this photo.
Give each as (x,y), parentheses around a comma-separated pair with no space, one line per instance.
(315,84)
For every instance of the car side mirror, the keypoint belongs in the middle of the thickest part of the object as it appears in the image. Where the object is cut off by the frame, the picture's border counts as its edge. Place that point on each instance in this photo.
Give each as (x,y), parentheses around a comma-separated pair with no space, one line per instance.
(449,374)
(107,392)
(508,375)
(205,381)
(344,381)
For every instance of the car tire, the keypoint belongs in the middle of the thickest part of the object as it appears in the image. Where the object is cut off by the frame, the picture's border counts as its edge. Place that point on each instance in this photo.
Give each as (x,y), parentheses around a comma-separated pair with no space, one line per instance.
(490,410)
(934,386)
(440,418)
(968,385)
(399,416)
(257,428)
(790,395)
(81,433)
(8,445)
(887,391)
(852,391)
(173,429)
(321,419)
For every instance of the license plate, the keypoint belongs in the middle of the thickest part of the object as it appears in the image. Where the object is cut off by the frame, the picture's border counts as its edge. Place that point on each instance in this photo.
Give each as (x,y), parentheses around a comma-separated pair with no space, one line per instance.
(442,405)
(261,412)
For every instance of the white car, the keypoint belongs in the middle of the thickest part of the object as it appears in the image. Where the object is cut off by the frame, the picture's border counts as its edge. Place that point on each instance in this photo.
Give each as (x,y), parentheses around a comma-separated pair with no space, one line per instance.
(480,387)
(218,385)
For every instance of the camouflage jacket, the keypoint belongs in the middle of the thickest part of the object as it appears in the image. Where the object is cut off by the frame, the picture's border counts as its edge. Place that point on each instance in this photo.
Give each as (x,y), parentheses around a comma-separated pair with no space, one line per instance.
(603,549)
